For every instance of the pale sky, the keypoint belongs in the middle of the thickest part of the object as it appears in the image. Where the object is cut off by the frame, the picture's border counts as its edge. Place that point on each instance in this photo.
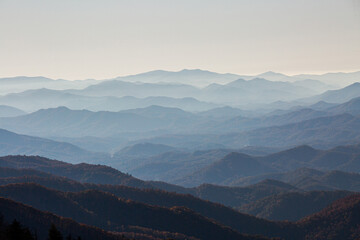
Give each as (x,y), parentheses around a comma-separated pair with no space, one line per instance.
(79,39)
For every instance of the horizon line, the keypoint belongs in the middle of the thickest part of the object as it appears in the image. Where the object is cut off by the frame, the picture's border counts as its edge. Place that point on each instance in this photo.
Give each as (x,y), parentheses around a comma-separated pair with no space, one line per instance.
(317,73)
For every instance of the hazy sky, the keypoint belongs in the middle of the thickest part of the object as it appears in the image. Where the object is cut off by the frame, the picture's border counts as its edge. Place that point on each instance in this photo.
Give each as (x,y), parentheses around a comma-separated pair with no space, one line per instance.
(78,39)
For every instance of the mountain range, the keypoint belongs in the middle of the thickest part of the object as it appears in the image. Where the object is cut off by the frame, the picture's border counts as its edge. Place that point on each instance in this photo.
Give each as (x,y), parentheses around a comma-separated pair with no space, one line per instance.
(300,123)
(154,88)
(181,155)
(323,129)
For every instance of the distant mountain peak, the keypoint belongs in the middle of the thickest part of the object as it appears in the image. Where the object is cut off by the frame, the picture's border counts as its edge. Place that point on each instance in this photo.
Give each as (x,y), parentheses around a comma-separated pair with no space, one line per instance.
(56,109)
(271,73)
(194,70)
(259,79)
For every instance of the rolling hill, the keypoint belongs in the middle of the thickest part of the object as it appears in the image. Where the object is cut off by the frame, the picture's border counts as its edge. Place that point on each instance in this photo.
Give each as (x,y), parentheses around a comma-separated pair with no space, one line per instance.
(351,107)
(309,179)
(255,91)
(236,168)
(232,166)
(7,111)
(14,144)
(292,206)
(166,166)
(333,78)
(323,132)
(82,172)
(144,150)
(338,96)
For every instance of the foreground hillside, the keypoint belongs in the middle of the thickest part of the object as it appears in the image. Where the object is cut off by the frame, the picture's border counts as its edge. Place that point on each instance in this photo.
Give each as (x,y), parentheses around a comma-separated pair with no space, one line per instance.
(226,216)
(340,220)
(156,214)
(106,211)
(76,203)
(229,196)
